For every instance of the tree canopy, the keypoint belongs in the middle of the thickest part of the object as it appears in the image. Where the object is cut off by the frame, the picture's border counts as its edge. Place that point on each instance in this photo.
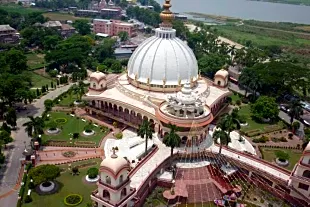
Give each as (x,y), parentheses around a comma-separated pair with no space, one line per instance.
(44,173)
(265,108)
(82,26)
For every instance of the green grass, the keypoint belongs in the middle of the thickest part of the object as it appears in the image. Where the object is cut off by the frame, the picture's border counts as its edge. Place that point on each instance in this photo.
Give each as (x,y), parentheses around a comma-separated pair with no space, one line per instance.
(261,37)
(269,155)
(38,81)
(73,125)
(235,97)
(61,16)
(245,111)
(35,61)
(67,99)
(69,184)
(19,9)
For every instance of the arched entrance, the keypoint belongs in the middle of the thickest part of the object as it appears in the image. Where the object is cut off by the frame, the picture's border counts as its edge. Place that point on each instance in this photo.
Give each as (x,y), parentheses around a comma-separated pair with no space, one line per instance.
(106,195)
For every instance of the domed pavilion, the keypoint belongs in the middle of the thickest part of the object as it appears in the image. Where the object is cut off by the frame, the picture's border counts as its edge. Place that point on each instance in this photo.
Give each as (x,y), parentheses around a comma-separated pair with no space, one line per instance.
(162,85)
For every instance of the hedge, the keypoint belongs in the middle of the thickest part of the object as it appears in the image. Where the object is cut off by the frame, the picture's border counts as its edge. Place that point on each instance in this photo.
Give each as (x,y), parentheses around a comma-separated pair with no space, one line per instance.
(73,196)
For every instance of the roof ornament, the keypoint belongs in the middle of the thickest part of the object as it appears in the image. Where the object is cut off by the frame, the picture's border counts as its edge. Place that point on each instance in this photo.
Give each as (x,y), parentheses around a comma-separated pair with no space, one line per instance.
(114,155)
(148,81)
(97,68)
(166,15)
(164,81)
(179,81)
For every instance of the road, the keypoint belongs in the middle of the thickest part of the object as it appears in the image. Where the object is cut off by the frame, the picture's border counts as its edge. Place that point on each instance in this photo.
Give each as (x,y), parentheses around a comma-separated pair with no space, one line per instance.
(9,174)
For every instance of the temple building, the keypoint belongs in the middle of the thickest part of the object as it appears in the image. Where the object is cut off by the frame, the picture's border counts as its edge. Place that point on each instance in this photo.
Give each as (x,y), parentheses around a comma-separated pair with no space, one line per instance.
(162,84)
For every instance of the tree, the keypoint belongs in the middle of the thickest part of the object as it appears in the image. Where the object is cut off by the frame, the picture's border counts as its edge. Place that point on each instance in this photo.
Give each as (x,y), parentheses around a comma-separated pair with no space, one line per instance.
(80,90)
(145,131)
(282,156)
(11,117)
(82,26)
(104,50)
(75,170)
(116,67)
(38,92)
(92,172)
(211,63)
(16,61)
(44,173)
(50,42)
(52,84)
(172,139)
(48,103)
(295,111)
(295,126)
(265,108)
(5,137)
(123,36)
(222,136)
(35,126)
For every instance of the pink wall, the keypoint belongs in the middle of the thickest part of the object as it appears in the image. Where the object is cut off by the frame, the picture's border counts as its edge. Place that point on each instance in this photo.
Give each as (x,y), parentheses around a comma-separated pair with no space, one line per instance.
(113,27)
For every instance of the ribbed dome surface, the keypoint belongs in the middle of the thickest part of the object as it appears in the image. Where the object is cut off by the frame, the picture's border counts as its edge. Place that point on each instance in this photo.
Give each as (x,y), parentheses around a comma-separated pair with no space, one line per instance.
(163,58)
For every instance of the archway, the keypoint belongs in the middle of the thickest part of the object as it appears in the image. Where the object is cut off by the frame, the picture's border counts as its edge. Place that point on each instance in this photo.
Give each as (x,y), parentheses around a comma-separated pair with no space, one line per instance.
(106,194)
(93,103)
(126,115)
(306,174)
(184,140)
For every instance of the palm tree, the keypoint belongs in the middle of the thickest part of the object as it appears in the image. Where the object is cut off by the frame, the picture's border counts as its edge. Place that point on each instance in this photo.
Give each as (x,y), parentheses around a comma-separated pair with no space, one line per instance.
(245,79)
(35,126)
(81,90)
(223,136)
(255,84)
(295,110)
(172,139)
(229,123)
(145,131)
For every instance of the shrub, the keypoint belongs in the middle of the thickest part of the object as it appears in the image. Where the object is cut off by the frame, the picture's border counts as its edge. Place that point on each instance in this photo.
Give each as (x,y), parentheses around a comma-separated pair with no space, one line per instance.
(296,125)
(290,135)
(28,199)
(61,120)
(76,135)
(283,139)
(238,102)
(88,128)
(2,158)
(245,100)
(119,135)
(31,185)
(92,172)
(75,170)
(73,200)
(242,119)
(282,156)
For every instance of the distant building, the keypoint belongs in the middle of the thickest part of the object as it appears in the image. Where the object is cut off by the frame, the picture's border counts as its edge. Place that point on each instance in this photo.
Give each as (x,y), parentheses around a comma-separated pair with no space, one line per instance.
(180,17)
(147,7)
(113,27)
(8,34)
(65,30)
(122,53)
(87,13)
(111,12)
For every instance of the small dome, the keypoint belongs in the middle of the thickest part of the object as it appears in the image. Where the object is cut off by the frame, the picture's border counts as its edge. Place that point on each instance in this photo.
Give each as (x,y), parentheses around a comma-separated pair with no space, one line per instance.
(223,73)
(97,75)
(115,164)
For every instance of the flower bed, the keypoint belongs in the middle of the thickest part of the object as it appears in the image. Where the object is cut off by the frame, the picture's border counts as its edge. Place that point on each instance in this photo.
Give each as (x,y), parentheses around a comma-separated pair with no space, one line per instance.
(88,132)
(92,180)
(69,154)
(53,130)
(73,200)
(47,186)
(89,143)
(60,120)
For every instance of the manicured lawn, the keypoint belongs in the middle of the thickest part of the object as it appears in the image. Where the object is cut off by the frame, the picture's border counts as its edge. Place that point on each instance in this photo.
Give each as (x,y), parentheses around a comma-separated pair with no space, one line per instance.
(268,154)
(61,16)
(38,81)
(245,111)
(73,125)
(69,185)
(68,99)
(235,97)
(35,61)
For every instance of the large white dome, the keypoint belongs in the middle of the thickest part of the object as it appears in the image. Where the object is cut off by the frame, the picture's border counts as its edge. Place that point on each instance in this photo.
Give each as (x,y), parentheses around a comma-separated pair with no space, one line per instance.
(163,59)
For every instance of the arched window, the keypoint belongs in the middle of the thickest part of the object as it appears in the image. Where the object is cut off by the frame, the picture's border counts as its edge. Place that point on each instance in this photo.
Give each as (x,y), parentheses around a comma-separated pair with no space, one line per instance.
(219,83)
(101,85)
(108,180)
(121,179)
(94,85)
(106,194)
(306,173)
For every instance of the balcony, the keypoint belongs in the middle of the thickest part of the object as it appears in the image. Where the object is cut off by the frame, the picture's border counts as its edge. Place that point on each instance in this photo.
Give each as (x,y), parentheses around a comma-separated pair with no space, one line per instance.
(115,188)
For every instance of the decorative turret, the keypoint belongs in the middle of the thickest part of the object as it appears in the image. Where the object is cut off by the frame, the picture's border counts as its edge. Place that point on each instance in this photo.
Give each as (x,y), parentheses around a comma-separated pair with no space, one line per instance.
(166,15)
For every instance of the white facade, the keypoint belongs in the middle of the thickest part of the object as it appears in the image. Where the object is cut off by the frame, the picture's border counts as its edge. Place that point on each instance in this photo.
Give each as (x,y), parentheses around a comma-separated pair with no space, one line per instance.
(221,78)
(97,83)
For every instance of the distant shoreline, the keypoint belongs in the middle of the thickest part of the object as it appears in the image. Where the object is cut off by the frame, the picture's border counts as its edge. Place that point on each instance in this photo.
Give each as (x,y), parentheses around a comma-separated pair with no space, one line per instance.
(220,18)
(300,2)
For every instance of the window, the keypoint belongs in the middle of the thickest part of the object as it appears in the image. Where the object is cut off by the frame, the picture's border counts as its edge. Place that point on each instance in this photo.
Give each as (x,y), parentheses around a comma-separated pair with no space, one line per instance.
(108,180)
(94,85)
(219,83)
(121,179)
(303,186)
(306,174)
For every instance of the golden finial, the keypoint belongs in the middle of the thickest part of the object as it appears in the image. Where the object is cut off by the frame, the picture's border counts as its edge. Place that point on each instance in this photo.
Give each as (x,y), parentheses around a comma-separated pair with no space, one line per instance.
(136,77)
(179,82)
(164,81)
(148,81)
(97,68)
(166,15)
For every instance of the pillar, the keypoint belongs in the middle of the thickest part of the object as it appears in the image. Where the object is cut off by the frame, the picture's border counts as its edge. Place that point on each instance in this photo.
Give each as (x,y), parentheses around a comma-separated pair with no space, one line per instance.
(36,145)
(33,160)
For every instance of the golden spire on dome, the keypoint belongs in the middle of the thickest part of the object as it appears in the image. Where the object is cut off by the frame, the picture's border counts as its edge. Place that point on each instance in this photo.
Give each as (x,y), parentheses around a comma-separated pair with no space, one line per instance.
(166,15)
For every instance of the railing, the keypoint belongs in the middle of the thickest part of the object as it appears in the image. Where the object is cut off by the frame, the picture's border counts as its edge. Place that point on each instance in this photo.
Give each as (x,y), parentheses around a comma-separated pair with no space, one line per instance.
(132,191)
(125,182)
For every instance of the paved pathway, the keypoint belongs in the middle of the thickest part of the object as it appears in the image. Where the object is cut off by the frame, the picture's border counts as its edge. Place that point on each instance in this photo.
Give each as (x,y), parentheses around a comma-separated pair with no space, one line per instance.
(9,174)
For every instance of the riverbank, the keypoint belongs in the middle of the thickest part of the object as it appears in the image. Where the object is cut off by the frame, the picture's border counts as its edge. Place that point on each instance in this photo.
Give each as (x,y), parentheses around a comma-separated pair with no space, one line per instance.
(219,18)
(295,2)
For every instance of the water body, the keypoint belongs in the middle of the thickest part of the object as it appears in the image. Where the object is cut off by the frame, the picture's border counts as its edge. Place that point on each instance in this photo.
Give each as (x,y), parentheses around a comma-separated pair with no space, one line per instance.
(245,9)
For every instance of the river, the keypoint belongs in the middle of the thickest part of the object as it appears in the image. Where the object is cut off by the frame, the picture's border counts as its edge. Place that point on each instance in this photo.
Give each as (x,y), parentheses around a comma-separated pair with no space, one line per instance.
(245,9)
